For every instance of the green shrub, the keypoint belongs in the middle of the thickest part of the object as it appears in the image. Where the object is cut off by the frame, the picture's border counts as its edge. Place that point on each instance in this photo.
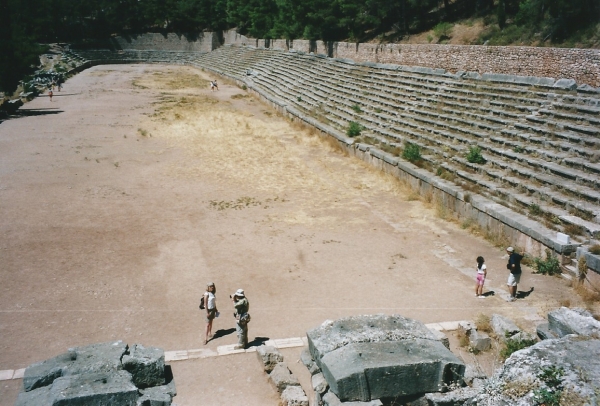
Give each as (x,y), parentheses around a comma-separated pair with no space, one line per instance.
(513,346)
(535,210)
(411,152)
(474,155)
(549,266)
(552,377)
(357,108)
(443,30)
(354,129)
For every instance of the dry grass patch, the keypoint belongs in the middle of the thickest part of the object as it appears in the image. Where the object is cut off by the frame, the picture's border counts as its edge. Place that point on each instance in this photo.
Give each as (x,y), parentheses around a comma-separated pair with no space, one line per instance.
(171,79)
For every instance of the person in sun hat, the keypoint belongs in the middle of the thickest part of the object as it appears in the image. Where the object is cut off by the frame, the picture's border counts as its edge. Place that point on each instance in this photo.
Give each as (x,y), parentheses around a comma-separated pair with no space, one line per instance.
(241,305)
(514,266)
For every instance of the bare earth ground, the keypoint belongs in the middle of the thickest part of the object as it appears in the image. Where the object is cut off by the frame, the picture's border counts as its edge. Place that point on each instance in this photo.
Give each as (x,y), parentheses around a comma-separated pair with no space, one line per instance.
(118,209)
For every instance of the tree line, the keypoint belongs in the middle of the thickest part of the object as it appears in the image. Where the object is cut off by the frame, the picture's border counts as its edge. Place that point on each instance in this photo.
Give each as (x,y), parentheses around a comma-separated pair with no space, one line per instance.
(24,23)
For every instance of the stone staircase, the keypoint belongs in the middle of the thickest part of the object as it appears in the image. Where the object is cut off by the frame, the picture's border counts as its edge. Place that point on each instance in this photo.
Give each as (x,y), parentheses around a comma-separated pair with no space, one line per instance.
(540,138)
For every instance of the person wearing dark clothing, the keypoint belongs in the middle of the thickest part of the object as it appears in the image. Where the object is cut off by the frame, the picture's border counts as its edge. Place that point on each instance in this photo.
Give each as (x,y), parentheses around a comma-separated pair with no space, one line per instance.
(514,266)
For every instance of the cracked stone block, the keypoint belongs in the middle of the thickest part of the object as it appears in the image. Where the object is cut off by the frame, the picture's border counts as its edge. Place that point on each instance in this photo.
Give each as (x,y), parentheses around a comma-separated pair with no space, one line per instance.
(158,395)
(330,399)
(36,397)
(379,356)
(319,383)
(281,377)
(544,333)
(472,373)
(101,389)
(503,327)
(45,372)
(466,327)
(294,396)
(368,371)
(480,341)
(442,337)
(95,358)
(269,356)
(565,321)
(308,361)
(146,365)
(576,358)
(456,397)
(362,329)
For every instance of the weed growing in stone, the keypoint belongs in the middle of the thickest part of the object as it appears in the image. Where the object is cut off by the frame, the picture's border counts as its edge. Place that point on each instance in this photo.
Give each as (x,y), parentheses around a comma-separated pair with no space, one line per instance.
(595,249)
(535,210)
(474,156)
(412,152)
(356,108)
(354,129)
(550,395)
(511,346)
(549,266)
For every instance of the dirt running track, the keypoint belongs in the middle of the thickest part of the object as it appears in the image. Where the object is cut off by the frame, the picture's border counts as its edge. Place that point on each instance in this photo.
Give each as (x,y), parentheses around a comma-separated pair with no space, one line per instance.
(136,185)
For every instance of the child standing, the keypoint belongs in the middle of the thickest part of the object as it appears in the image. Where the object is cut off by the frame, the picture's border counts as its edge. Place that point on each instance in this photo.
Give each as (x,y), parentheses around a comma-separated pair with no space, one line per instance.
(481,274)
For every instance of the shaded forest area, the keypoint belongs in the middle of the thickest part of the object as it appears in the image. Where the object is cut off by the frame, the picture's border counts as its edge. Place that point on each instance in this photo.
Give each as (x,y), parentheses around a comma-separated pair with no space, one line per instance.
(24,24)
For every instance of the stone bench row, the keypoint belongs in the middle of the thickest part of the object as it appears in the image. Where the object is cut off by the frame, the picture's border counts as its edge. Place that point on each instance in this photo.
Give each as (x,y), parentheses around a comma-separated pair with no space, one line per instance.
(336,97)
(571,136)
(347,105)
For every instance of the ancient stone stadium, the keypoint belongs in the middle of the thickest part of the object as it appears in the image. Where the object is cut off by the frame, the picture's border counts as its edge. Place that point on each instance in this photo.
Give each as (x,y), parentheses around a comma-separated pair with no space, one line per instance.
(518,155)
(507,141)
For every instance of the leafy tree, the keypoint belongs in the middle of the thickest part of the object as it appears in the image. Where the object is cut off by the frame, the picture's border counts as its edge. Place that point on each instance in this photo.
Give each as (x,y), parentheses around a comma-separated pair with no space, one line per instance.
(18,52)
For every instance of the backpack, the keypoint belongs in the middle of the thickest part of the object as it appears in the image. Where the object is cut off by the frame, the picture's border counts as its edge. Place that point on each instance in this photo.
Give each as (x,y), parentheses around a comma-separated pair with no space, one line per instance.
(202,306)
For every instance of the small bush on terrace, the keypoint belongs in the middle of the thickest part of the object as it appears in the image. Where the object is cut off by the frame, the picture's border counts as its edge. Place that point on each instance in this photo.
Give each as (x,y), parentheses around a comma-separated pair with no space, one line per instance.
(474,155)
(354,129)
(549,266)
(595,249)
(513,346)
(412,152)
(443,30)
(356,108)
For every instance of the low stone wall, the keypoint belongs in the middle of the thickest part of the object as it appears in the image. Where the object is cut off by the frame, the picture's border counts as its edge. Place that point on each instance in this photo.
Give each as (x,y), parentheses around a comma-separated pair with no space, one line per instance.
(583,65)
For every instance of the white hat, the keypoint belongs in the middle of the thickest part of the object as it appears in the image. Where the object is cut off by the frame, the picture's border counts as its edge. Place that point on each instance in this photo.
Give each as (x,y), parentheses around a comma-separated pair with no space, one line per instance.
(510,249)
(239,292)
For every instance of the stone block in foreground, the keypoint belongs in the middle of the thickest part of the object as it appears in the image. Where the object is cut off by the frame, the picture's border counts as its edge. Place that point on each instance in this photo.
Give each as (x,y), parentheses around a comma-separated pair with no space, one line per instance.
(294,396)
(146,365)
(379,356)
(332,335)
(566,321)
(368,371)
(572,358)
(101,374)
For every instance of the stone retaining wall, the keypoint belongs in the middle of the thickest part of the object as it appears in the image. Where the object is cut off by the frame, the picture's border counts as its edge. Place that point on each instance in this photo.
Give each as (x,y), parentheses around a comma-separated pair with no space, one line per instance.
(583,65)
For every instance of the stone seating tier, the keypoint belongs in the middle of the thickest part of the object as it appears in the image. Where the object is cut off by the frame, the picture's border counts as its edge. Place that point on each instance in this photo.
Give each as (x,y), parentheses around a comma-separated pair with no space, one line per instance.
(540,142)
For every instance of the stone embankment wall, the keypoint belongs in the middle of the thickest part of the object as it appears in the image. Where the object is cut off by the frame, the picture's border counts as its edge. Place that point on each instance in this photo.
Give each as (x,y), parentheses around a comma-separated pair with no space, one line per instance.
(583,65)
